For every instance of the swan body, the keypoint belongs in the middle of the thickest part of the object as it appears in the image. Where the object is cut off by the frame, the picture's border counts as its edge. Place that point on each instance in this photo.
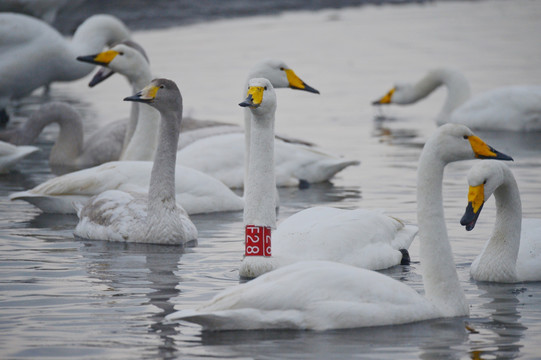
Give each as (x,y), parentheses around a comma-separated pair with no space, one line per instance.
(10,155)
(149,218)
(33,54)
(222,157)
(70,151)
(320,295)
(513,252)
(511,108)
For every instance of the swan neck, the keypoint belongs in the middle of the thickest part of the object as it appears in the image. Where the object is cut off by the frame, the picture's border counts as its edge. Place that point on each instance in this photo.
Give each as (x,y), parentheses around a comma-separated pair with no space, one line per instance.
(498,260)
(162,179)
(440,278)
(260,186)
(144,141)
(458,92)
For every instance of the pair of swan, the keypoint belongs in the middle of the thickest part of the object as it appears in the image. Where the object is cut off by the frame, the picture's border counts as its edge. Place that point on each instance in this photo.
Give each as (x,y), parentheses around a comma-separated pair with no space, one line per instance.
(322,295)
(513,252)
(33,54)
(153,216)
(512,108)
(319,233)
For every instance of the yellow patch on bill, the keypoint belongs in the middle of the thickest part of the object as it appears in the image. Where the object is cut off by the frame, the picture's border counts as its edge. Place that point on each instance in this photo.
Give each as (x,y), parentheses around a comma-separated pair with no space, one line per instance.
(387,98)
(257,94)
(476,196)
(480,148)
(106,57)
(294,80)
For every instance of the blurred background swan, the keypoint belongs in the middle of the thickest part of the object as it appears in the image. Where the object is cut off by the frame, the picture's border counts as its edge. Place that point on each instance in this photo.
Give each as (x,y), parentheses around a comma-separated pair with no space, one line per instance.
(10,155)
(513,251)
(33,54)
(513,108)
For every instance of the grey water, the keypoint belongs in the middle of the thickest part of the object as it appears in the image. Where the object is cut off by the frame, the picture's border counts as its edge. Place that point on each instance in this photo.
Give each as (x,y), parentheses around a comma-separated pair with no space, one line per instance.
(66,298)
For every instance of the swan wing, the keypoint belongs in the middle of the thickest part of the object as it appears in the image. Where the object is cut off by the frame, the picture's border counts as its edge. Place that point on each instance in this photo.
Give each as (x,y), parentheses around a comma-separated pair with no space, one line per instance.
(316,295)
(529,254)
(364,238)
(10,155)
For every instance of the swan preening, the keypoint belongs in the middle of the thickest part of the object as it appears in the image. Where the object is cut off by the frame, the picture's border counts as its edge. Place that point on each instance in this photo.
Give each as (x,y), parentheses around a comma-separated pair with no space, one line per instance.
(322,295)
(33,54)
(319,233)
(513,108)
(513,252)
(71,150)
(153,217)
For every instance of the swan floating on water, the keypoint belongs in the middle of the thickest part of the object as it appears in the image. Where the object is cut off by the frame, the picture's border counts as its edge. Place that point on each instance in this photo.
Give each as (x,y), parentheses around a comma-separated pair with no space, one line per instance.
(513,252)
(320,295)
(33,54)
(70,151)
(154,217)
(512,108)
(10,155)
(363,238)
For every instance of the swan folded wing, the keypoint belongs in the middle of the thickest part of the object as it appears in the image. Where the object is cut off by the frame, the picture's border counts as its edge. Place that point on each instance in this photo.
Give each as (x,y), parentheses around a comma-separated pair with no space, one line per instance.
(364,238)
(529,256)
(314,295)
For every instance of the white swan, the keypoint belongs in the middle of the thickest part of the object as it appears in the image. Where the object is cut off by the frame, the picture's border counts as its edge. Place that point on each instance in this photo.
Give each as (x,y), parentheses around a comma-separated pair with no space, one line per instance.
(10,155)
(363,238)
(70,151)
(138,217)
(222,156)
(320,295)
(33,54)
(513,252)
(513,108)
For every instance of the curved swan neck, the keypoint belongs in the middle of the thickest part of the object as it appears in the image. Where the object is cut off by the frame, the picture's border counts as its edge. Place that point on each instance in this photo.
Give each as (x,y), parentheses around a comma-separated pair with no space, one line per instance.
(458,91)
(440,279)
(162,179)
(260,186)
(499,257)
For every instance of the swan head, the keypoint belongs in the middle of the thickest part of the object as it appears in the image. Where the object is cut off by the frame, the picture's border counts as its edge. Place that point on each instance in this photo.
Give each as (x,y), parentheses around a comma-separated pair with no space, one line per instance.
(401,94)
(280,75)
(126,58)
(455,142)
(483,179)
(261,98)
(162,94)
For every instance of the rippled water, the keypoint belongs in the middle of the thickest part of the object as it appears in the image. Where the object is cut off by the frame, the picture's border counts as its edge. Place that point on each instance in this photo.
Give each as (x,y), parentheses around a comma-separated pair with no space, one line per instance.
(64,298)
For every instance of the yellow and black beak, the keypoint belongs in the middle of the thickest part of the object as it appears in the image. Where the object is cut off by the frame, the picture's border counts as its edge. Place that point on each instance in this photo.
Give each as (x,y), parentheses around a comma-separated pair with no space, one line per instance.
(146,95)
(484,151)
(386,99)
(476,200)
(254,98)
(296,83)
(103,58)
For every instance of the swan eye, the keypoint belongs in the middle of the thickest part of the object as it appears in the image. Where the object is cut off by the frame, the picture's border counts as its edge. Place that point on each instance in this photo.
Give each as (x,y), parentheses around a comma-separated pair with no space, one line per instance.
(265,88)
(162,87)
(121,53)
(282,69)
(484,182)
(465,137)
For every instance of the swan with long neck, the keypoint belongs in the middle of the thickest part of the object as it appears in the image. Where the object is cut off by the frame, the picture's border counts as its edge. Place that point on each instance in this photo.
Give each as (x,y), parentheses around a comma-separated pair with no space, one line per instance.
(321,295)
(305,235)
(141,135)
(70,151)
(33,54)
(513,251)
(154,218)
(513,108)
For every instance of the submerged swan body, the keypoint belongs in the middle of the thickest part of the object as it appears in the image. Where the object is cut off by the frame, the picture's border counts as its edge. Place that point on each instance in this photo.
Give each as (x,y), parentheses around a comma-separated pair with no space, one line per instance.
(148,218)
(320,295)
(363,238)
(512,108)
(33,54)
(513,252)
(70,151)
(10,155)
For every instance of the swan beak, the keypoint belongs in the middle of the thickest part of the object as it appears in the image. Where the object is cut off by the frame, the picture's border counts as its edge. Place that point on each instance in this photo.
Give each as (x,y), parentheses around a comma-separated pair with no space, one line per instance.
(102,74)
(146,95)
(296,83)
(254,98)
(103,58)
(385,99)
(476,200)
(484,151)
